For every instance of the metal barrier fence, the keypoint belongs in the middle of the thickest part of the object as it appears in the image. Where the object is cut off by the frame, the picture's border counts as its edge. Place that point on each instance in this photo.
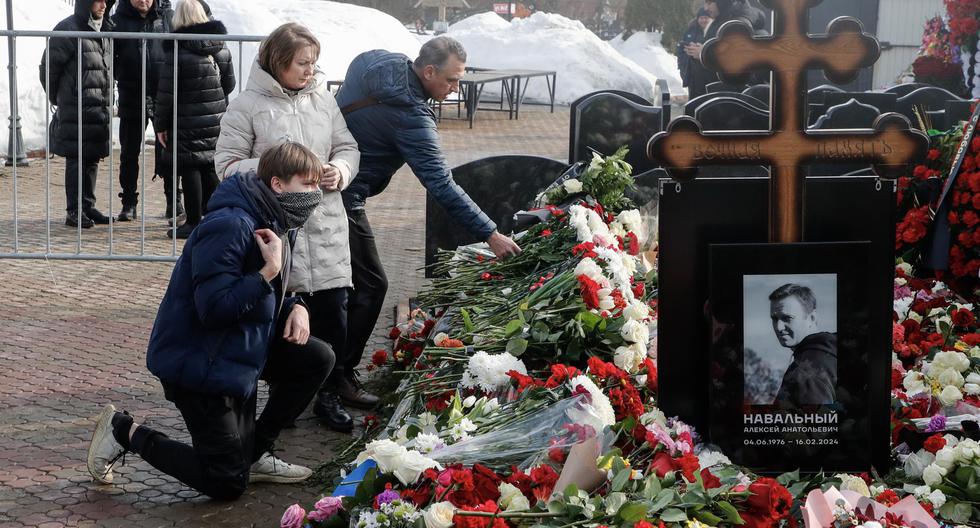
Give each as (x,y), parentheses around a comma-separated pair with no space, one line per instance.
(122,242)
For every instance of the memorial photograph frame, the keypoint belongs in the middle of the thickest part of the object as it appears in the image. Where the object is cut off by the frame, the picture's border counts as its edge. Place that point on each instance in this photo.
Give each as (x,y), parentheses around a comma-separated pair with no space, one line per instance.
(790,355)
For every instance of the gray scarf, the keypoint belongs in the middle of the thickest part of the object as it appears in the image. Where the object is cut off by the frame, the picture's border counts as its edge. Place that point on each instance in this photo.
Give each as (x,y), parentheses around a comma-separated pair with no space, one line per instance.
(298,206)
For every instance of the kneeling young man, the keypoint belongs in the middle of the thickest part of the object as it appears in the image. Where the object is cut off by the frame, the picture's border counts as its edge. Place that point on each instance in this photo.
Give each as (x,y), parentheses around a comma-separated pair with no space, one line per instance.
(224,322)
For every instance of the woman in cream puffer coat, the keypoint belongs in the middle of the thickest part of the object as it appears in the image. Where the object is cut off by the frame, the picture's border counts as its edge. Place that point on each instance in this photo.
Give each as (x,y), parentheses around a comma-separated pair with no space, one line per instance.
(294,104)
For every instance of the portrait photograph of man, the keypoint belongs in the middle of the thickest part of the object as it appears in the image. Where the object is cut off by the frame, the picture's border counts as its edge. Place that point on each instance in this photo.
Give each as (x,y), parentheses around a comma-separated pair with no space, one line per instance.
(790,339)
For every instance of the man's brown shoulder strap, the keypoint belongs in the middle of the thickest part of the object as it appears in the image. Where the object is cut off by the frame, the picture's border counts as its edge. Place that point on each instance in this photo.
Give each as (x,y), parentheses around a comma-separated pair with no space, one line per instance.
(360,103)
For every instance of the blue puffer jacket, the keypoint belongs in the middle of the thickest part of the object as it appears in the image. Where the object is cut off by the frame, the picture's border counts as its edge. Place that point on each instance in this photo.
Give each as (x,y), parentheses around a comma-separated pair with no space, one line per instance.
(215,323)
(402,129)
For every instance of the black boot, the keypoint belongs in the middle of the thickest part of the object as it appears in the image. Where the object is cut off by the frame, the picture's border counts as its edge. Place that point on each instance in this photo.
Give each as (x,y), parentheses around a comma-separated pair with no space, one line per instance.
(97,216)
(73,219)
(332,413)
(128,212)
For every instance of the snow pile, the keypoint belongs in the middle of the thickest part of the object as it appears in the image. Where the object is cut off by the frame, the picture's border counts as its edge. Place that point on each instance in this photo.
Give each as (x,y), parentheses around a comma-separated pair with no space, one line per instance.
(545,41)
(645,49)
(344,31)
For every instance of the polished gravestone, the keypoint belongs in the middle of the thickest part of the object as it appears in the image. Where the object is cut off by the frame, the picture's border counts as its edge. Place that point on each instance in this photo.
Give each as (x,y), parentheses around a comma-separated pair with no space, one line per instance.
(849,115)
(573,115)
(786,224)
(924,99)
(604,122)
(731,112)
(500,185)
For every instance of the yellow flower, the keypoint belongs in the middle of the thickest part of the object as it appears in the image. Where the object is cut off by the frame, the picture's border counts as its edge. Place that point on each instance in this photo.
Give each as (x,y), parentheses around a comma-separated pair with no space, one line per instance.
(961,346)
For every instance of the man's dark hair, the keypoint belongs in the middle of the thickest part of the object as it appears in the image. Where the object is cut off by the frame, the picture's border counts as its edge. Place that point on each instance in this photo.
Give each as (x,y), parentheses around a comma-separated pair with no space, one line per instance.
(437,52)
(803,293)
(289,159)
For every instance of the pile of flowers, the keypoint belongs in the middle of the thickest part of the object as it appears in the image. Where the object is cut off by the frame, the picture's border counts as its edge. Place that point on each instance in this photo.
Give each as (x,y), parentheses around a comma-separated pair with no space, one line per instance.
(530,399)
(963,18)
(939,61)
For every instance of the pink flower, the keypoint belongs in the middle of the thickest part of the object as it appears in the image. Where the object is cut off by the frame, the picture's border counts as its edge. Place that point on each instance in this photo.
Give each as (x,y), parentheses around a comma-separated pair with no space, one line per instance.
(293,518)
(326,508)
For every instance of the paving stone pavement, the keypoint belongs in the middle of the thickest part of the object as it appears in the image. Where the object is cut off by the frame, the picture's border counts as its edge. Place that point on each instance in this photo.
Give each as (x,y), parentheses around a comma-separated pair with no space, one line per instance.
(73,336)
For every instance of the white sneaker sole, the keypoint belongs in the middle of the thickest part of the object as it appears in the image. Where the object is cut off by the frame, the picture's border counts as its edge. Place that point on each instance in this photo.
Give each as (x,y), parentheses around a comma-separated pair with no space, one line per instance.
(276,479)
(102,428)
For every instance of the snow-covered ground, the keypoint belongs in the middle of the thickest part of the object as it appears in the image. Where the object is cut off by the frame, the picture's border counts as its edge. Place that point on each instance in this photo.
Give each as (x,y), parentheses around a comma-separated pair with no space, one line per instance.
(545,41)
(646,50)
(344,30)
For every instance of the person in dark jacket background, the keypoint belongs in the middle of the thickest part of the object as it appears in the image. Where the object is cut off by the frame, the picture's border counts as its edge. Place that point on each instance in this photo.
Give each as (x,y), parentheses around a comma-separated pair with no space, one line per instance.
(205,77)
(384,100)
(686,64)
(724,11)
(224,322)
(60,66)
(811,378)
(137,16)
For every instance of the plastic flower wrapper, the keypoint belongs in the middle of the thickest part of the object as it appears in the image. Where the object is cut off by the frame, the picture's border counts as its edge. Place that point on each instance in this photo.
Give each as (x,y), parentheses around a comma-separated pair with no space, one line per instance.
(528,441)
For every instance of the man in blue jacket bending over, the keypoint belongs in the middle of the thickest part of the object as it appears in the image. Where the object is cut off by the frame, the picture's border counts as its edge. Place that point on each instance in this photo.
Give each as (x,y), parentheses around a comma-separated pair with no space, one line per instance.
(224,322)
(384,100)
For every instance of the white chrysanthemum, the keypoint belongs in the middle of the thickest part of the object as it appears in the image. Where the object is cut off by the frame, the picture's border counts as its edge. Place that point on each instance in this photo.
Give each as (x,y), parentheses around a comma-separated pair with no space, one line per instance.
(489,372)
(606,301)
(590,269)
(427,443)
(579,220)
(600,402)
(709,457)
(462,430)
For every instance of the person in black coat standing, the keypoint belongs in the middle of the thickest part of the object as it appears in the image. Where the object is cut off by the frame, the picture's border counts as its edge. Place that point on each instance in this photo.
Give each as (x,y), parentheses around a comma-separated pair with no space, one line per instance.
(137,16)
(724,11)
(205,77)
(81,137)
(686,64)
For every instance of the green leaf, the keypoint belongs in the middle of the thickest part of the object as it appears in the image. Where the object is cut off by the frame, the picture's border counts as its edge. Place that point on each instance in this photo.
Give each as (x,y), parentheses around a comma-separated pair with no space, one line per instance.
(556,507)
(707,517)
(467,322)
(955,512)
(516,346)
(730,512)
(651,487)
(664,498)
(788,478)
(673,515)
(621,478)
(614,501)
(513,327)
(633,511)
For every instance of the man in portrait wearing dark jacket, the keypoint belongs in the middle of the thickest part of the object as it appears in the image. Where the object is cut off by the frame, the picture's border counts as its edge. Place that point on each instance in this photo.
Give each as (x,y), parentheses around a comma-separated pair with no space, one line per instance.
(138,16)
(224,322)
(811,378)
(384,100)
(83,139)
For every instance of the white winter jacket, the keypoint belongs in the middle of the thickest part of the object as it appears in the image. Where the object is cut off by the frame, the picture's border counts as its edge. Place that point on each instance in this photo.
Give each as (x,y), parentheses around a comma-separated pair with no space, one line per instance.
(264,115)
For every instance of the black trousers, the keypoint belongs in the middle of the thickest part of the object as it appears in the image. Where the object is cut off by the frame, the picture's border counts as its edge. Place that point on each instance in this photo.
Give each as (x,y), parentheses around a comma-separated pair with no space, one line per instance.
(199,183)
(370,287)
(226,437)
(131,133)
(90,171)
(328,321)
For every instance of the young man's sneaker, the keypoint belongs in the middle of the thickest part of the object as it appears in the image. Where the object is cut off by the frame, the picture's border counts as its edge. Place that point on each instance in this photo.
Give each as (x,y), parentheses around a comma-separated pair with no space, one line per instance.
(104,449)
(270,469)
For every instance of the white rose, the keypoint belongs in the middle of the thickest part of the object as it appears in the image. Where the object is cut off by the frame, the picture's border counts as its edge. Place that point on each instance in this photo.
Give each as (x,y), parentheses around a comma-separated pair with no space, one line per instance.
(508,492)
(905,267)
(951,440)
(635,332)
(617,229)
(624,358)
(937,498)
(933,475)
(386,453)
(412,465)
(921,492)
(946,458)
(901,282)
(951,377)
(439,515)
(518,504)
(966,451)
(636,310)
(855,484)
(572,186)
(950,395)
(439,338)
(492,405)
(913,383)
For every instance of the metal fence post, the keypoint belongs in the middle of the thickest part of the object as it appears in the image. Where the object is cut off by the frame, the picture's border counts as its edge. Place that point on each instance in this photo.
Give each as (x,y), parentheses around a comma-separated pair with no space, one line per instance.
(15,145)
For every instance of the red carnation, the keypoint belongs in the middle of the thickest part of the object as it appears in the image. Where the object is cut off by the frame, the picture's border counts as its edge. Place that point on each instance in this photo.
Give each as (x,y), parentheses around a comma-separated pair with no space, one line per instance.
(379,358)
(661,464)
(933,154)
(632,244)
(710,481)
(590,291)
(887,497)
(546,232)
(395,332)
(963,317)
(468,521)
(934,443)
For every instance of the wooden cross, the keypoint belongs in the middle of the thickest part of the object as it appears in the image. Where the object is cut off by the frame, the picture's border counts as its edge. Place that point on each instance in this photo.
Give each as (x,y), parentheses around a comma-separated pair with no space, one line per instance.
(889,146)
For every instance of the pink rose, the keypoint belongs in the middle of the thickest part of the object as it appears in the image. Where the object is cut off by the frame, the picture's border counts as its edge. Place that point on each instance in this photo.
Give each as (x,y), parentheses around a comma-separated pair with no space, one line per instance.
(293,518)
(326,508)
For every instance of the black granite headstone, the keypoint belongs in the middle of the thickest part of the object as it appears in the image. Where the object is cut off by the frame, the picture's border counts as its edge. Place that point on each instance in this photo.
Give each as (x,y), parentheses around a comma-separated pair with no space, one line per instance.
(573,115)
(605,122)
(697,214)
(884,102)
(905,89)
(815,101)
(849,115)
(758,91)
(730,113)
(925,99)
(691,107)
(500,185)
(722,86)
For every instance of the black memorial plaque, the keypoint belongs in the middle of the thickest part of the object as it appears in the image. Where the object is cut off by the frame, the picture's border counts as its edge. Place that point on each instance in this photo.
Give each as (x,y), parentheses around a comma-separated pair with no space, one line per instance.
(606,121)
(790,355)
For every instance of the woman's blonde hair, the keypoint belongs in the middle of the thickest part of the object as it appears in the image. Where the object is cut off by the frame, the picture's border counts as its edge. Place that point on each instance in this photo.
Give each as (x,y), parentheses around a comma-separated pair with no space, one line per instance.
(277,50)
(189,13)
